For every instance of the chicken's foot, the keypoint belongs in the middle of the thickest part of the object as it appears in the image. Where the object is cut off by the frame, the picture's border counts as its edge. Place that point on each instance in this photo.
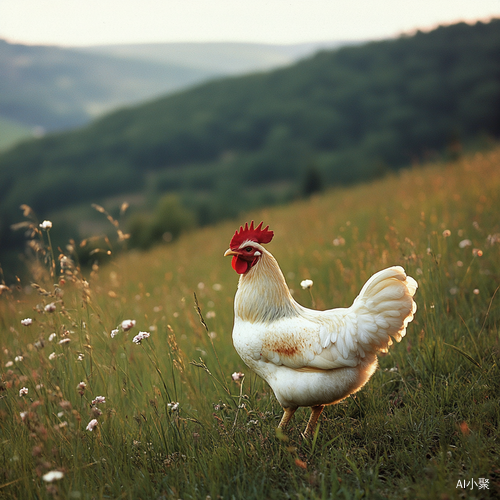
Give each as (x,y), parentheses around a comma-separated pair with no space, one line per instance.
(315,413)
(287,416)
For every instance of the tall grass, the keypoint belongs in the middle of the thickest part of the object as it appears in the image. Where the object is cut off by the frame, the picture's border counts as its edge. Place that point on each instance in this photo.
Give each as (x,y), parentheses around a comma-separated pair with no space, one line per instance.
(176,425)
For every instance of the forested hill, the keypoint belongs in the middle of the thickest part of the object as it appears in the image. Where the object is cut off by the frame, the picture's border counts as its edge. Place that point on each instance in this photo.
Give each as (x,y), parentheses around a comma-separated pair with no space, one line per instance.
(345,114)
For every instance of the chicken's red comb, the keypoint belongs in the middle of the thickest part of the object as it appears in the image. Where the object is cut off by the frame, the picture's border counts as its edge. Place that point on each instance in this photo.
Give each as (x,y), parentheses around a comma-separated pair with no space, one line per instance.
(256,234)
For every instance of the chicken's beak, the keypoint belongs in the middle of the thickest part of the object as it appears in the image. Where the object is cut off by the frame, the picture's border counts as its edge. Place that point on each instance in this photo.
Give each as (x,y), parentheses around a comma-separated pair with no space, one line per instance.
(230,252)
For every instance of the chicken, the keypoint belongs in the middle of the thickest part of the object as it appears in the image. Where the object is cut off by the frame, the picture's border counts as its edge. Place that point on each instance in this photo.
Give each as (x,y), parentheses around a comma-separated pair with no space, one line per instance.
(311,358)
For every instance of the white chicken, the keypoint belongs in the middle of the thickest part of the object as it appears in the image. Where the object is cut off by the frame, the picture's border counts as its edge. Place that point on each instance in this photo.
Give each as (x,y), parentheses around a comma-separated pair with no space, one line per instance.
(311,358)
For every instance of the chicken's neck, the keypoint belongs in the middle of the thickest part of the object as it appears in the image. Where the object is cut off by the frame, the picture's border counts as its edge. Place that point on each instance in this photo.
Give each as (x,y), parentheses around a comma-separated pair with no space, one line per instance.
(263,294)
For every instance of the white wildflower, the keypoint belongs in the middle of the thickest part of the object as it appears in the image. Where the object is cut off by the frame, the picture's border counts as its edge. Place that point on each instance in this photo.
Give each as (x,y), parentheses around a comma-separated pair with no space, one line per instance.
(53,475)
(64,341)
(52,336)
(46,224)
(52,356)
(465,243)
(9,364)
(446,233)
(237,376)
(80,356)
(99,400)
(173,406)
(128,324)
(27,322)
(81,386)
(23,391)
(306,284)
(23,415)
(140,336)
(92,424)
(18,359)
(50,307)
(65,262)
(114,333)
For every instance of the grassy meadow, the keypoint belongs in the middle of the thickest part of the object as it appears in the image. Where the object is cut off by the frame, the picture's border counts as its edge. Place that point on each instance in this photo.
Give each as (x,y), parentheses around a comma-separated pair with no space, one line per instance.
(175,424)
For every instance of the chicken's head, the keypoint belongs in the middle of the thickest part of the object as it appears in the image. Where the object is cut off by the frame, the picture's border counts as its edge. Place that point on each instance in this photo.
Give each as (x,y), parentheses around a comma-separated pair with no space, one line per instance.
(245,246)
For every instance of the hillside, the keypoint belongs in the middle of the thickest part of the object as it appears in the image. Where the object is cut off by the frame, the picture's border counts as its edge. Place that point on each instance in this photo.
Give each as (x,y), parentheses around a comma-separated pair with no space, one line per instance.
(170,420)
(12,132)
(58,88)
(228,145)
(223,57)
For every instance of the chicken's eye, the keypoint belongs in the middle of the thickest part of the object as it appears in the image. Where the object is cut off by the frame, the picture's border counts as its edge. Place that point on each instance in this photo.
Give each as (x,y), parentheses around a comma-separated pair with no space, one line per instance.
(248,249)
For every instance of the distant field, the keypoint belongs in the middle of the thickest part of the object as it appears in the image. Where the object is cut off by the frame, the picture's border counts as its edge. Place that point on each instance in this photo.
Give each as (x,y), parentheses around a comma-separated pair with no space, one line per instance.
(11,133)
(425,427)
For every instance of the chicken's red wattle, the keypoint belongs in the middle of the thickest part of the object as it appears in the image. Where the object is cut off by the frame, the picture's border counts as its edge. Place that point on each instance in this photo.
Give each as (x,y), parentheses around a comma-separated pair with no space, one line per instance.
(239,265)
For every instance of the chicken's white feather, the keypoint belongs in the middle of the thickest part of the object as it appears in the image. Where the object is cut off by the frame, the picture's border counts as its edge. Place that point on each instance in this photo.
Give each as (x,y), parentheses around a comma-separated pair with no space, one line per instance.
(317,357)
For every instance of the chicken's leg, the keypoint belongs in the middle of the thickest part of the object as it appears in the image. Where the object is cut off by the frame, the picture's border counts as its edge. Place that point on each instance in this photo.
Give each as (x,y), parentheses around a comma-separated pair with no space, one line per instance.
(315,413)
(287,416)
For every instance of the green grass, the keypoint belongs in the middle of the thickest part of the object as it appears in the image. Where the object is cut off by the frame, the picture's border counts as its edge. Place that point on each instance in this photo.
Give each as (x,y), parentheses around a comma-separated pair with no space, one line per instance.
(428,418)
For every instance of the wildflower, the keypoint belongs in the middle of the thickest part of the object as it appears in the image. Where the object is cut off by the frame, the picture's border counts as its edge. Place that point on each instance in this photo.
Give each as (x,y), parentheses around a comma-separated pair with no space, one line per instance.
(52,356)
(50,307)
(338,241)
(465,243)
(96,412)
(9,364)
(65,262)
(476,291)
(114,333)
(173,406)
(64,340)
(492,239)
(53,475)
(128,324)
(477,252)
(80,356)
(81,388)
(140,336)
(18,359)
(23,391)
(306,284)
(24,415)
(27,322)
(99,400)
(91,425)
(46,224)
(237,376)
(52,336)
(446,233)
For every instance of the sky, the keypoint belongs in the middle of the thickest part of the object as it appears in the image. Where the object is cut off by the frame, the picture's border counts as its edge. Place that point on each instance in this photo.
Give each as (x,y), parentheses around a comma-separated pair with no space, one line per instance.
(97,22)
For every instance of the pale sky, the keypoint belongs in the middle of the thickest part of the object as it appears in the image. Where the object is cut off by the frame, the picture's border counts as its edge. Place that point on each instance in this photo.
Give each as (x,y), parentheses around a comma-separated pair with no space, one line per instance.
(94,22)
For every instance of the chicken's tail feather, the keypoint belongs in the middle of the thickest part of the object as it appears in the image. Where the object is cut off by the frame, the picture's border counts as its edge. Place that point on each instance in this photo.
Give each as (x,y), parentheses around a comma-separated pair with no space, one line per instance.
(383,309)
